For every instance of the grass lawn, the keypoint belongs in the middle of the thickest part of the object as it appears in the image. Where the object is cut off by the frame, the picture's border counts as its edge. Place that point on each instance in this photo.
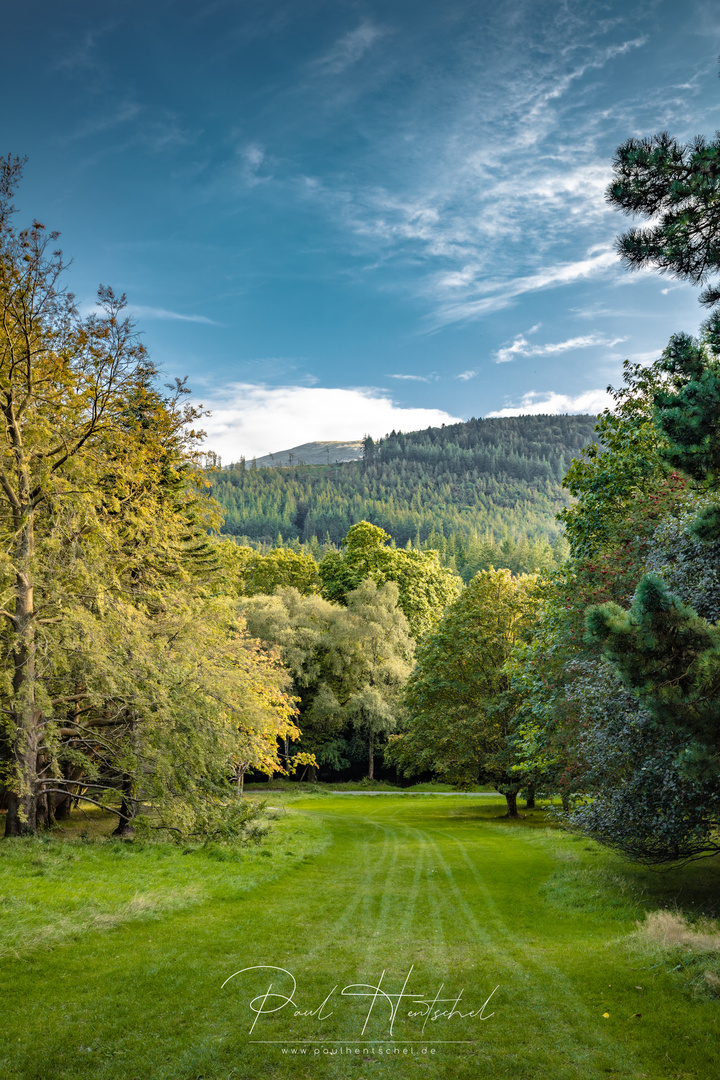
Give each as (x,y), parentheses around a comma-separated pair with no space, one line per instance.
(114,956)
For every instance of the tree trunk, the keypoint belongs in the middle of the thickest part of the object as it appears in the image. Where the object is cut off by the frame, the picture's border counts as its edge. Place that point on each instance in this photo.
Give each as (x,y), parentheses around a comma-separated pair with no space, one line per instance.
(565,802)
(530,797)
(22,801)
(63,806)
(44,816)
(128,810)
(371,756)
(240,781)
(128,806)
(511,800)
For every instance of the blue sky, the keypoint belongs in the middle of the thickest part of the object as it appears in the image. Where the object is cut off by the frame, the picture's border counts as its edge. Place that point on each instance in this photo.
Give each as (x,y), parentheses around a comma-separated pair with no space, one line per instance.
(341,217)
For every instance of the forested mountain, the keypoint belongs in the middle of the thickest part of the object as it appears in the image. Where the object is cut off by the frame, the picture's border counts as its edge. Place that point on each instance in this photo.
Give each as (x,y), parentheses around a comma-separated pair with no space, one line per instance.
(328,452)
(457,484)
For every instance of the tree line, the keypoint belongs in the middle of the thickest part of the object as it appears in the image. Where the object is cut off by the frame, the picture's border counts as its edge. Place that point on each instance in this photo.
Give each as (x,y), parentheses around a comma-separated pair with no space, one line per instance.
(472,482)
(128,675)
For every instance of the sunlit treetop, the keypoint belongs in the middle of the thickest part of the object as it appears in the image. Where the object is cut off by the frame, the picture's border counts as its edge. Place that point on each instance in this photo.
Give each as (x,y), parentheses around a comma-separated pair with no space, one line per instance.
(677,185)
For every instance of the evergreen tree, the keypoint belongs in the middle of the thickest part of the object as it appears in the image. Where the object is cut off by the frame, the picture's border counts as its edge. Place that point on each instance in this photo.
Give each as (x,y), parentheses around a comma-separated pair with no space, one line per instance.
(679,186)
(498,477)
(663,650)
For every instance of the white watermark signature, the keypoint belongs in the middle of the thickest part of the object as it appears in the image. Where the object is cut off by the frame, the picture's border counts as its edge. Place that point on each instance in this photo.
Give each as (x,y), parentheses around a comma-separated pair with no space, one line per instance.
(377,1005)
(343,1050)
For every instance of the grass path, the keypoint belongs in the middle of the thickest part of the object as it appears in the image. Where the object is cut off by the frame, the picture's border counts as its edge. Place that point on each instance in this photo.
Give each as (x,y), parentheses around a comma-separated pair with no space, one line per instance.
(440,889)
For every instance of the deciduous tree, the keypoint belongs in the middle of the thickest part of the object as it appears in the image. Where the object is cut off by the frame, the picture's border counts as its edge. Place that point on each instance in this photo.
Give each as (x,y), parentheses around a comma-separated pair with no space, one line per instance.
(64,384)
(349,663)
(457,703)
(425,588)
(253,573)
(122,678)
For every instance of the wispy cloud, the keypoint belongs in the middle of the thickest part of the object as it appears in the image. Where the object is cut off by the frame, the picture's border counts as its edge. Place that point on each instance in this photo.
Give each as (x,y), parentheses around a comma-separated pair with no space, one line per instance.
(495,193)
(414,378)
(251,419)
(119,114)
(536,402)
(146,312)
(129,124)
(465,375)
(348,49)
(499,294)
(254,160)
(646,356)
(521,347)
(82,54)
(163,132)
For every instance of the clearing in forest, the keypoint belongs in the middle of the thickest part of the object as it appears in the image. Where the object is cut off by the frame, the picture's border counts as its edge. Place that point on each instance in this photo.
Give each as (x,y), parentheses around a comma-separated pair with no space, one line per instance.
(393,936)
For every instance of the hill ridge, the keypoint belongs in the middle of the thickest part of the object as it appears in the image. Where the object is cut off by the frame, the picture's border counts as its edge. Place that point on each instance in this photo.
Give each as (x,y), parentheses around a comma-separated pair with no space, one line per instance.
(319,452)
(447,487)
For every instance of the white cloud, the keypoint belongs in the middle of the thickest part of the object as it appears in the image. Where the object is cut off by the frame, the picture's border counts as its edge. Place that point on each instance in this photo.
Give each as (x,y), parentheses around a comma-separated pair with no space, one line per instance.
(521,347)
(646,357)
(518,347)
(252,420)
(502,293)
(253,159)
(535,402)
(348,49)
(553,190)
(162,313)
(493,193)
(465,375)
(412,378)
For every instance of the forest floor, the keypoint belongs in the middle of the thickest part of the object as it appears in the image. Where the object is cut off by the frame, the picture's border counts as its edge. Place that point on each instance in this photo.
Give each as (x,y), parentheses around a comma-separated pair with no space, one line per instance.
(385,937)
